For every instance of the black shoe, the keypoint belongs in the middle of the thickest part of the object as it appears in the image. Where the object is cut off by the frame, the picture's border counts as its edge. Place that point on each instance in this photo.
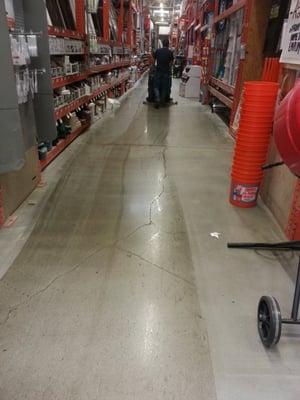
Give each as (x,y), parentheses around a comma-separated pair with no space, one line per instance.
(156,105)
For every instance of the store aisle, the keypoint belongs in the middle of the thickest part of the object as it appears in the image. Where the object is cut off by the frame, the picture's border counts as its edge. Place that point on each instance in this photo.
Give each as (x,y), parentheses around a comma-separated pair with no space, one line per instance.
(121,292)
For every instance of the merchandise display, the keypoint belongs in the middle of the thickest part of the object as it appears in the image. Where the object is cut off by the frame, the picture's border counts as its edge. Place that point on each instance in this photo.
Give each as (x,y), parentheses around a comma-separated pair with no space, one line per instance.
(252,143)
(72,56)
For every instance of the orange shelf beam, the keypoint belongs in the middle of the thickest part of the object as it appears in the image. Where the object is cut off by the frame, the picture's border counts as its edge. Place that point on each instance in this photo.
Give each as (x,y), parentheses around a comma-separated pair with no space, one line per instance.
(60,32)
(67,80)
(222,85)
(231,10)
(225,100)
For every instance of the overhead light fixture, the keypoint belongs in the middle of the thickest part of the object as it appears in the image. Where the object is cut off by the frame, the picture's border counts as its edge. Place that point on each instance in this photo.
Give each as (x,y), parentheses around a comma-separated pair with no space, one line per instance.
(161,5)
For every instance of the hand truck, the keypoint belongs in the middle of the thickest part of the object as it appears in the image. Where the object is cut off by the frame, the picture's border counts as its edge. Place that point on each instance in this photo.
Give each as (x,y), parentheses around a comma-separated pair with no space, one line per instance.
(269,319)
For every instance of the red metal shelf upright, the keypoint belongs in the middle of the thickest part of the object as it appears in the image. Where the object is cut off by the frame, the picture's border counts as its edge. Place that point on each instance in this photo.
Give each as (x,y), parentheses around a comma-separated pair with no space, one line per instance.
(129,25)
(105,10)
(80,16)
(121,22)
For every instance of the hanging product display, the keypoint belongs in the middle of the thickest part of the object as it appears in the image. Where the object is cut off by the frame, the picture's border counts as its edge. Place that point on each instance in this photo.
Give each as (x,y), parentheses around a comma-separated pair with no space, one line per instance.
(27,84)
(10,14)
(92,6)
(113,20)
(23,47)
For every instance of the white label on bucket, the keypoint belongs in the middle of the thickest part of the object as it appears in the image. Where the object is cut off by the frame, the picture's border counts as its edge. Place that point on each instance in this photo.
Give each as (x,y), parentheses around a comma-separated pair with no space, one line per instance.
(246,194)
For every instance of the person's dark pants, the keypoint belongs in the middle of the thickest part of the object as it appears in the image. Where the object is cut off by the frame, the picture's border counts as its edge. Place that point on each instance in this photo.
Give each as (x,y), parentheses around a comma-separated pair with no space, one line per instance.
(162,87)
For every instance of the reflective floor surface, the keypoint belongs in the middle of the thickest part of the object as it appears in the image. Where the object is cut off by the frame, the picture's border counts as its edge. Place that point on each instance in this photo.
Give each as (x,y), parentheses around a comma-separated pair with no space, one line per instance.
(120,292)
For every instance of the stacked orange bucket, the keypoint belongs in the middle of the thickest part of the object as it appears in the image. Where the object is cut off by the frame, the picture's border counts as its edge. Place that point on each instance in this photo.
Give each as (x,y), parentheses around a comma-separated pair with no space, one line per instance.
(253,137)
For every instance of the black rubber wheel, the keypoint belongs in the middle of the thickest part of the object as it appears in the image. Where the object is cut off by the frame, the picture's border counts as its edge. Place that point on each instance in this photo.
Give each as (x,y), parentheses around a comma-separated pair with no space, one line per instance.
(269,321)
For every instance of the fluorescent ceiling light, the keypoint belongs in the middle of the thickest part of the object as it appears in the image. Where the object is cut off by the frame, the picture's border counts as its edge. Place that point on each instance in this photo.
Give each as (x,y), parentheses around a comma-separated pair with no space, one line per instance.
(161,5)
(160,12)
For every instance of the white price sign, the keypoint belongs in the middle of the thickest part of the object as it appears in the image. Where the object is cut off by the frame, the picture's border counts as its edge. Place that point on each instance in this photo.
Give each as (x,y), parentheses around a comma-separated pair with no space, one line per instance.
(291,36)
(9,8)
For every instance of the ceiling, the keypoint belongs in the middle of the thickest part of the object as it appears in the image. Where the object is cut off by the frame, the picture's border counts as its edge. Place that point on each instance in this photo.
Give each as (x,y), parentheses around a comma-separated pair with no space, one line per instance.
(162,11)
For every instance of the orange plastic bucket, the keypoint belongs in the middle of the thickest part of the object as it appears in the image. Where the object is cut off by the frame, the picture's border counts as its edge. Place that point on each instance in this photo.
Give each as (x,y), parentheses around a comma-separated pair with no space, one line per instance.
(244,160)
(261,105)
(252,142)
(261,87)
(259,136)
(252,116)
(247,169)
(258,106)
(255,154)
(252,174)
(247,166)
(254,126)
(259,96)
(249,118)
(254,149)
(246,179)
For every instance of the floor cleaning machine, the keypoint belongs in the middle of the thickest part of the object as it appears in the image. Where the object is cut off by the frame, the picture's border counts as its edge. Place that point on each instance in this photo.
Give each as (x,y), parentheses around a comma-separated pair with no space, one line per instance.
(286,136)
(151,93)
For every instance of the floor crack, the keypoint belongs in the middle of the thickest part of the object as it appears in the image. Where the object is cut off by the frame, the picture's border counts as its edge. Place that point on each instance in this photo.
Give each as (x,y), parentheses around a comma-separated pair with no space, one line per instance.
(156,266)
(44,289)
(98,250)
(164,177)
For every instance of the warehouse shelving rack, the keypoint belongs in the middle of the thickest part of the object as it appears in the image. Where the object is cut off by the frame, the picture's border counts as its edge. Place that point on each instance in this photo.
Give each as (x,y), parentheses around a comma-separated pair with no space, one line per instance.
(202,48)
(256,15)
(46,116)
(81,34)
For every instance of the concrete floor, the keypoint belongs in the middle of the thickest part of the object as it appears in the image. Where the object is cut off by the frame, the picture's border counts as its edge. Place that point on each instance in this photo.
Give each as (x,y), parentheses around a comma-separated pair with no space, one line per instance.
(120,292)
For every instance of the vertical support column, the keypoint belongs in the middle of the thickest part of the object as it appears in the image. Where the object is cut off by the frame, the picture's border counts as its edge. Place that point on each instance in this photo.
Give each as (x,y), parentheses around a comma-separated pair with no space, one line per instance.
(106,5)
(121,22)
(2,215)
(293,226)
(129,26)
(80,16)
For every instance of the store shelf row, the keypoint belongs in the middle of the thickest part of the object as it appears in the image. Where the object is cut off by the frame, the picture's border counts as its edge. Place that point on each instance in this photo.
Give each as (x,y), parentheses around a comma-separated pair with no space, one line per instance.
(107,67)
(64,110)
(60,32)
(220,96)
(67,80)
(222,85)
(103,88)
(61,145)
